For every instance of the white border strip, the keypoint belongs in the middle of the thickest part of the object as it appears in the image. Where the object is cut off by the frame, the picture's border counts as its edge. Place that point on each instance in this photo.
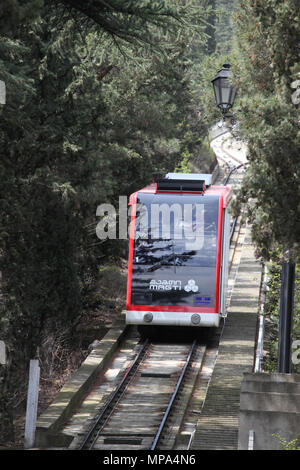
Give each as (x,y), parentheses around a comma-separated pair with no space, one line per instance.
(136,317)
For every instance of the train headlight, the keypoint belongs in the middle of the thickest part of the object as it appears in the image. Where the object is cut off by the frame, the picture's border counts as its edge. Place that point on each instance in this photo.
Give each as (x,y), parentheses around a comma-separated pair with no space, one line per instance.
(195,319)
(148,317)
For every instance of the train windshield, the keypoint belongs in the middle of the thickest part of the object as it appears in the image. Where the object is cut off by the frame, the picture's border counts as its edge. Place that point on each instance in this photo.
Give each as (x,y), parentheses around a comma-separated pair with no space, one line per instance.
(175,250)
(176,230)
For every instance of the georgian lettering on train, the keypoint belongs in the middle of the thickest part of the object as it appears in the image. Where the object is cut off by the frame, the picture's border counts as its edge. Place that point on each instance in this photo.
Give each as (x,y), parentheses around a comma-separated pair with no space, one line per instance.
(164,285)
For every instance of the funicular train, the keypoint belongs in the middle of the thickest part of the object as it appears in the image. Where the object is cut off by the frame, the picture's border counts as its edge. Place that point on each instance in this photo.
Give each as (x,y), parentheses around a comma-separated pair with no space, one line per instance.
(178,252)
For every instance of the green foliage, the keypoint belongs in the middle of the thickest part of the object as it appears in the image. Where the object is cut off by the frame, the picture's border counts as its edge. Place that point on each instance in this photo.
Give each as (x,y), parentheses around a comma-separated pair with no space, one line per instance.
(265,60)
(271,313)
(138,22)
(288,445)
(84,123)
(16,12)
(224,25)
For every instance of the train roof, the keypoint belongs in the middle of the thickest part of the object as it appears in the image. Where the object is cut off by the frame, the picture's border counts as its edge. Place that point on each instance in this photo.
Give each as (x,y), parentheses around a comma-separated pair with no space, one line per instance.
(206,177)
(183,183)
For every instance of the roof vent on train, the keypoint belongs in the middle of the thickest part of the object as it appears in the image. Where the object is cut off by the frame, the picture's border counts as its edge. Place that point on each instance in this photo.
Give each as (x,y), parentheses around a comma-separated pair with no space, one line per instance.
(169,185)
(206,177)
(187,182)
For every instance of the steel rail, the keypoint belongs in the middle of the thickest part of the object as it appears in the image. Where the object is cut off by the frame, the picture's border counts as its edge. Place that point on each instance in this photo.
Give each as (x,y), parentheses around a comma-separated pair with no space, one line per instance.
(167,412)
(128,376)
(232,170)
(225,183)
(228,153)
(219,135)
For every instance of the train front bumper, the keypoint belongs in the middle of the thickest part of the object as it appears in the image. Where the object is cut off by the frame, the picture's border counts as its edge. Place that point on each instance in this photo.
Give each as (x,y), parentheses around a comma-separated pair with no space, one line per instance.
(138,317)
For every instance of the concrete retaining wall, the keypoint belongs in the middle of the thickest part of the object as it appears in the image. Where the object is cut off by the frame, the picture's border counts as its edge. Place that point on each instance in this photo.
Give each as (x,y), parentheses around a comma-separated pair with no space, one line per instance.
(269,406)
(50,422)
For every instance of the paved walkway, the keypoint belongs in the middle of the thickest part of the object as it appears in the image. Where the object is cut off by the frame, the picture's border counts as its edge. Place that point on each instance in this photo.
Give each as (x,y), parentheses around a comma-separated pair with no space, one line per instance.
(217,427)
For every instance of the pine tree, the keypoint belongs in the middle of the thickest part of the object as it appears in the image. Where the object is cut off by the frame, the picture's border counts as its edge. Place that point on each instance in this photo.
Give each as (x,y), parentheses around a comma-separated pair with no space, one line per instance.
(268,37)
(83,124)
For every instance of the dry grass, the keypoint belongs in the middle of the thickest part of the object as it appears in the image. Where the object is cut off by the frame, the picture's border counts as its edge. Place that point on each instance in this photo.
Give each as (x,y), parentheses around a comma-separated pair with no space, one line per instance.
(61,354)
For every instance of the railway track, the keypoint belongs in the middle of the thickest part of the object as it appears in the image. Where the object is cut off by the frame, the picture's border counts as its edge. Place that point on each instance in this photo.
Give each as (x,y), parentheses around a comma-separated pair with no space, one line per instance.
(140,412)
(229,162)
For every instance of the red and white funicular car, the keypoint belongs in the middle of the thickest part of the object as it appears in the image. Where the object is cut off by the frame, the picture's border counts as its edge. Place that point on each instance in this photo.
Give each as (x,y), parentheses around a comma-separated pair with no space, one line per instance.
(178,254)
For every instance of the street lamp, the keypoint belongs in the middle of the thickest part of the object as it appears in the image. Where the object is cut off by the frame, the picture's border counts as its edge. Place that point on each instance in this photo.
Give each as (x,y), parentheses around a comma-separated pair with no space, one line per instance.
(224,91)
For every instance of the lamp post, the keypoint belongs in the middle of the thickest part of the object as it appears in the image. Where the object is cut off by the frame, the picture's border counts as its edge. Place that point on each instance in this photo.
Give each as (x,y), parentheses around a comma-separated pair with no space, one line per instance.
(224,91)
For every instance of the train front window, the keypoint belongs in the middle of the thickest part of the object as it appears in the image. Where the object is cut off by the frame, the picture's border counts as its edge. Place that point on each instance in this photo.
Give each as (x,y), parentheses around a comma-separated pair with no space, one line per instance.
(176,230)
